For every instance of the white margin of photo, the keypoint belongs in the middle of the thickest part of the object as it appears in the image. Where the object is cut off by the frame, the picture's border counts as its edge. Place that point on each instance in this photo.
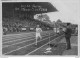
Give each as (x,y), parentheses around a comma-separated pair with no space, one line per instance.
(2,56)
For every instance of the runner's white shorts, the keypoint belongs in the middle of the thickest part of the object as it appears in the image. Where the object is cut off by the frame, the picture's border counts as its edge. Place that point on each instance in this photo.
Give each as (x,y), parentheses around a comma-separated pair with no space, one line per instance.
(38,35)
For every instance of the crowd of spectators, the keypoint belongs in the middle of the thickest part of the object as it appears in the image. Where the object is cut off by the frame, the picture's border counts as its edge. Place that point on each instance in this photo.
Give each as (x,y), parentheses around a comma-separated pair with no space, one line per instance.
(19,25)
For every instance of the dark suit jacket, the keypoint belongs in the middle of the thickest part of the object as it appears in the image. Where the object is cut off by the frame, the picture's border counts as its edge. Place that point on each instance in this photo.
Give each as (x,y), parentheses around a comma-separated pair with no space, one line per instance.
(68,32)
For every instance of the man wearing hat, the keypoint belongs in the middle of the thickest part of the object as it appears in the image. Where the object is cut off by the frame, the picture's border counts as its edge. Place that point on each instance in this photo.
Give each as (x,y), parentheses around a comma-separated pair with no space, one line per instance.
(68,32)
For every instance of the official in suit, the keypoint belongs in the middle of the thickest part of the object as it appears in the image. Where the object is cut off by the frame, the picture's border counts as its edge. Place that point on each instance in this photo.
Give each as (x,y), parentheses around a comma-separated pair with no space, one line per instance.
(68,32)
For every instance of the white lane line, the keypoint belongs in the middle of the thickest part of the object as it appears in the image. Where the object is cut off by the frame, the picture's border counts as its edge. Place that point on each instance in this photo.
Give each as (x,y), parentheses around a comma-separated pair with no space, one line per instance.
(23,33)
(17,40)
(18,43)
(18,34)
(22,47)
(43,45)
(14,37)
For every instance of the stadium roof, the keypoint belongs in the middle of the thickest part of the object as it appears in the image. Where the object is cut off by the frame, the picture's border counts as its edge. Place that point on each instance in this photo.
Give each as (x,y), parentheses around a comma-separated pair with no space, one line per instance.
(29,7)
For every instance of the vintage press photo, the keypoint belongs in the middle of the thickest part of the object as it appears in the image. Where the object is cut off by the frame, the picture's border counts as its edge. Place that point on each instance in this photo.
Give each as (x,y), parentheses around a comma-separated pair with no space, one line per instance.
(38,28)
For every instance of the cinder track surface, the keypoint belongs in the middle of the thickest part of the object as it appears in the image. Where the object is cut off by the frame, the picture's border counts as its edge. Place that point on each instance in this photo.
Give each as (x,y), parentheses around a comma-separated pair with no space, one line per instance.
(24,44)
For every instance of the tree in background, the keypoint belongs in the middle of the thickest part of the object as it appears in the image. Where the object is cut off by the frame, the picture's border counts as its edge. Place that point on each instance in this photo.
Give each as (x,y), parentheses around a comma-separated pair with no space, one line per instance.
(44,18)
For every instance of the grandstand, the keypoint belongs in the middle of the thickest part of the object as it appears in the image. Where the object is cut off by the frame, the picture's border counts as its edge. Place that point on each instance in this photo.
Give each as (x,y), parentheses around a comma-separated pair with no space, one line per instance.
(16,25)
(18,17)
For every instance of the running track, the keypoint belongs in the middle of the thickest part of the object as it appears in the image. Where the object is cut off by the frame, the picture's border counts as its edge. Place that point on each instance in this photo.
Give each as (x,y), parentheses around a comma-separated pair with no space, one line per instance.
(23,44)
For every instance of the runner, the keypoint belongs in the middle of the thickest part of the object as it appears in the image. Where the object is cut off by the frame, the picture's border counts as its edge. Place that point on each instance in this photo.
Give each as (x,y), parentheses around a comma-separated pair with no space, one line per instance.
(38,35)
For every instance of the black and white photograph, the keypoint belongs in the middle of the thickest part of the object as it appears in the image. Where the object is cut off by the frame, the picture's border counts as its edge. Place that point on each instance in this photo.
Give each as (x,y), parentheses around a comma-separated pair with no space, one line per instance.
(40,28)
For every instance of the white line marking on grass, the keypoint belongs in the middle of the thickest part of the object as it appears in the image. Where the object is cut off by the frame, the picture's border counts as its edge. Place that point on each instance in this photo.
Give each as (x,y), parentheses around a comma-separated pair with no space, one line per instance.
(22,47)
(42,46)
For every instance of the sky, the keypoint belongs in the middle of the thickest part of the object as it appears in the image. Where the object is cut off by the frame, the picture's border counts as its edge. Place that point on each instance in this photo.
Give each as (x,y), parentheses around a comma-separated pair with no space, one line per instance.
(68,11)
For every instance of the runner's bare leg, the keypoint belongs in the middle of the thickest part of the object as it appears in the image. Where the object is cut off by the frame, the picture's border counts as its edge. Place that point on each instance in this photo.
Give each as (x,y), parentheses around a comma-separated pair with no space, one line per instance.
(36,40)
